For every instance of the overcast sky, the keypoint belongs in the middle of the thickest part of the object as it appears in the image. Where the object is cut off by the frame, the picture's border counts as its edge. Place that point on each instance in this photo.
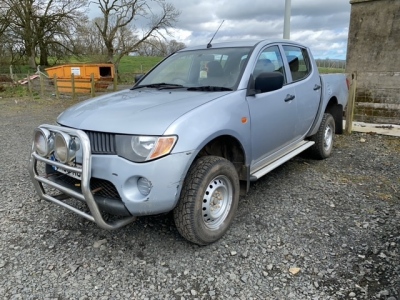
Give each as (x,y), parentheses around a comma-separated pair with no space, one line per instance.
(320,24)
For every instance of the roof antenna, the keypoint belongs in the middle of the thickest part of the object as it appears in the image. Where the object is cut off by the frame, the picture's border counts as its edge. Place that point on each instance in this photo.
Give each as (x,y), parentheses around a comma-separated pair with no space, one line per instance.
(209,43)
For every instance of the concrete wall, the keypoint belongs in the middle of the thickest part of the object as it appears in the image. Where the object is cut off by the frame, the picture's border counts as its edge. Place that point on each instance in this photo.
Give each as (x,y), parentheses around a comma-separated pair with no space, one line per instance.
(374,53)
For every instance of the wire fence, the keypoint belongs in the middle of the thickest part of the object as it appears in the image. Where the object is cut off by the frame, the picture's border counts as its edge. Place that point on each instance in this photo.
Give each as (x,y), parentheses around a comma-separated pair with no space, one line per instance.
(331,64)
(40,85)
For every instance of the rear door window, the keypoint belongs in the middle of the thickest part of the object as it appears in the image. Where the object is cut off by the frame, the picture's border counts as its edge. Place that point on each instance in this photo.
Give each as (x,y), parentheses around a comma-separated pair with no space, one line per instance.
(299,62)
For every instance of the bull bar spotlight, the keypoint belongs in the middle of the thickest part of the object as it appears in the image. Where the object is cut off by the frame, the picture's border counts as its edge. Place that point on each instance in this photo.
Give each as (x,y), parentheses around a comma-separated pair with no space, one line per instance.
(65,147)
(43,142)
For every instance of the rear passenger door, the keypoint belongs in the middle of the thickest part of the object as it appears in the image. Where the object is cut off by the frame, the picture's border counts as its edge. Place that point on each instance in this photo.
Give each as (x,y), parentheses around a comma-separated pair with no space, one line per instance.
(306,82)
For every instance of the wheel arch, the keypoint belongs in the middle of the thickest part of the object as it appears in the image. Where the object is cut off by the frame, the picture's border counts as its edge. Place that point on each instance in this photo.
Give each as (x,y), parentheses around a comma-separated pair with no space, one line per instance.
(230,148)
(336,110)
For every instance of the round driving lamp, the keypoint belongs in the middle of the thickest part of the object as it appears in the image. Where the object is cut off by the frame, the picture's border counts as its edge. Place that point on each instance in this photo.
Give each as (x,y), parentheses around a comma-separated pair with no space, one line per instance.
(65,147)
(144,186)
(43,142)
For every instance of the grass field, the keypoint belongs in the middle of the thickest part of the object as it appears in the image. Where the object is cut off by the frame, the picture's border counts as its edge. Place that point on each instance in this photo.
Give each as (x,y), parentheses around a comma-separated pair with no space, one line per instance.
(330,70)
(129,65)
(128,68)
(138,64)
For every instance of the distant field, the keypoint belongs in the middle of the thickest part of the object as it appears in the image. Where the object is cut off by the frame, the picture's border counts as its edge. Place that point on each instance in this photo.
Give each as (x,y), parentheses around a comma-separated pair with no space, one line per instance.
(330,70)
(128,65)
(138,64)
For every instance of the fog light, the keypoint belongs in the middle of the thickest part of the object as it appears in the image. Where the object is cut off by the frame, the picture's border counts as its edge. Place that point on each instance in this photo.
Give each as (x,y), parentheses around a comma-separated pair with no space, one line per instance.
(43,142)
(144,186)
(65,147)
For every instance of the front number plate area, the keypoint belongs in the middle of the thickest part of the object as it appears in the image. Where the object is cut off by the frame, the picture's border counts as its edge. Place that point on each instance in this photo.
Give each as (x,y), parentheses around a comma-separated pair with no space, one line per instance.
(66,172)
(69,173)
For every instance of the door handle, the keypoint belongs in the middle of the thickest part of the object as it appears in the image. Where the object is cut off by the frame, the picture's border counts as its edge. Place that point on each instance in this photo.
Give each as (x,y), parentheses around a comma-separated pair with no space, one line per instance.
(289,97)
(317,87)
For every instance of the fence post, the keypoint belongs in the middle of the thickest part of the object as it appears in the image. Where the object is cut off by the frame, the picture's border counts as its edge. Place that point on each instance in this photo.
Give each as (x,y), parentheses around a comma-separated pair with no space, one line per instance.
(29,85)
(41,81)
(11,73)
(350,104)
(73,86)
(56,87)
(92,86)
(115,81)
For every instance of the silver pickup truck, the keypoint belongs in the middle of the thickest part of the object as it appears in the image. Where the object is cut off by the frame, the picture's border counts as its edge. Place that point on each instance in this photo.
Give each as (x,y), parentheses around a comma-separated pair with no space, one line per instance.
(190,136)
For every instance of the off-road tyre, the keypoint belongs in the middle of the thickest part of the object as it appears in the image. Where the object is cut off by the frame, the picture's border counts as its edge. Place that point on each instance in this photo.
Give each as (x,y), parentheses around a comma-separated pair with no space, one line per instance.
(208,200)
(324,138)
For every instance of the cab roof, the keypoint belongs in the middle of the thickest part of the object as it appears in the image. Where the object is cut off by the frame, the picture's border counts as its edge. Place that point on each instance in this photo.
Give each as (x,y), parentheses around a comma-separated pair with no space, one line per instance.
(241,43)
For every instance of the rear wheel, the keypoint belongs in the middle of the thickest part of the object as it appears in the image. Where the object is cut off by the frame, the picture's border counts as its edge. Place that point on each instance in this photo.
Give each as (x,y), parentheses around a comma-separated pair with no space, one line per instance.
(208,201)
(324,138)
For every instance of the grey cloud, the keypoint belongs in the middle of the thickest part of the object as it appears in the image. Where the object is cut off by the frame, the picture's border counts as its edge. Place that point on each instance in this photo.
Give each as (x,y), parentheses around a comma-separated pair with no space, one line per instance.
(263,19)
(260,19)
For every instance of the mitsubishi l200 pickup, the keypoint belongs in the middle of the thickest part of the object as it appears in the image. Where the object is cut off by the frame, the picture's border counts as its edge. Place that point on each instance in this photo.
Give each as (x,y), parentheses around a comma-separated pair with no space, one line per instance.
(190,136)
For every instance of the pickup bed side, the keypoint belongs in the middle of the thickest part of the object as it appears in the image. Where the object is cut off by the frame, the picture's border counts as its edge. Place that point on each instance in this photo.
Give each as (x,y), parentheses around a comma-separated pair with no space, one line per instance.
(333,101)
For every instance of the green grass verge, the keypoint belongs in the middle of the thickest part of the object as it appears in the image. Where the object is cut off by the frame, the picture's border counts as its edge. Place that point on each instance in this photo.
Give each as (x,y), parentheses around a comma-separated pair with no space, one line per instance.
(138,64)
(330,70)
(129,64)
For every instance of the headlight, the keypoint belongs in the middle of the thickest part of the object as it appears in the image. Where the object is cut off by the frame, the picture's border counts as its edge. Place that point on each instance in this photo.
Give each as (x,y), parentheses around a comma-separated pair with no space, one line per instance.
(144,148)
(65,147)
(43,142)
(143,145)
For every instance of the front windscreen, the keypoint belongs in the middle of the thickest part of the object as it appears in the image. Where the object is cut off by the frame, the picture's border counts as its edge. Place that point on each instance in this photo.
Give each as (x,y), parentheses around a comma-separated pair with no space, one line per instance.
(220,67)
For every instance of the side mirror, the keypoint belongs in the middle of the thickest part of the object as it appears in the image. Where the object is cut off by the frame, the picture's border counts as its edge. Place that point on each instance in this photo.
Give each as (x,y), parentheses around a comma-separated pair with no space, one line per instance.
(265,82)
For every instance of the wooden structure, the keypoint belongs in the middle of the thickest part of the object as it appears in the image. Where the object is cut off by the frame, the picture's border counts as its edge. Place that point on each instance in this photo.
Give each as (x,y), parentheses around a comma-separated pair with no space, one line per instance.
(80,76)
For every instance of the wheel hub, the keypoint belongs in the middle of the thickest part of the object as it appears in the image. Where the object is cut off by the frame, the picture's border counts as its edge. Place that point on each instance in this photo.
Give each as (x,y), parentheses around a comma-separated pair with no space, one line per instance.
(217,202)
(328,138)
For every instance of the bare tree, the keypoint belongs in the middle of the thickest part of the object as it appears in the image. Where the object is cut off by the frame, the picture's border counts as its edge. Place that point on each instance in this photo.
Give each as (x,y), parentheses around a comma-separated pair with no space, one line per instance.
(4,23)
(153,47)
(21,24)
(4,19)
(174,46)
(56,23)
(89,41)
(118,31)
(41,23)
(159,47)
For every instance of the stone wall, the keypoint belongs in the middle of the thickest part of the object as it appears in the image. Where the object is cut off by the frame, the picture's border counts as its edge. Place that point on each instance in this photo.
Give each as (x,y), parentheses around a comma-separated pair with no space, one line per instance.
(374,54)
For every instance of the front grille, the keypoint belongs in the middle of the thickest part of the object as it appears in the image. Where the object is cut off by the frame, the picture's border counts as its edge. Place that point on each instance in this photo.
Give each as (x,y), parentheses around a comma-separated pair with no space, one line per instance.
(101,142)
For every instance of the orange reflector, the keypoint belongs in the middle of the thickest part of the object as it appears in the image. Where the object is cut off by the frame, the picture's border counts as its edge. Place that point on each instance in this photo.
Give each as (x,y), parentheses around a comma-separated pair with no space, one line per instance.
(244,120)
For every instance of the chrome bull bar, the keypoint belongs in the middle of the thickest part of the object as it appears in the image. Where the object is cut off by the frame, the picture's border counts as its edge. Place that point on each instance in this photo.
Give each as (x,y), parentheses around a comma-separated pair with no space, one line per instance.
(86,194)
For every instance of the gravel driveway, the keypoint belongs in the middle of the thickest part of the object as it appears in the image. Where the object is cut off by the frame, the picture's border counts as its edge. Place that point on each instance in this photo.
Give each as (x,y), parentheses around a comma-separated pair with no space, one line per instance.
(308,230)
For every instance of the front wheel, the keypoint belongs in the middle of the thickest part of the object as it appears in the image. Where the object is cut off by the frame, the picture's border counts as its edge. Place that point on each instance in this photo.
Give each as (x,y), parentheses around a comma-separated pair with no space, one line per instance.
(324,138)
(208,200)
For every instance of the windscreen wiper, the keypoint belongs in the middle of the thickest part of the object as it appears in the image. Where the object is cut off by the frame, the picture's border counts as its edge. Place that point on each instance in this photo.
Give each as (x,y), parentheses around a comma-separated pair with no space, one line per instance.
(209,88)
(159,86)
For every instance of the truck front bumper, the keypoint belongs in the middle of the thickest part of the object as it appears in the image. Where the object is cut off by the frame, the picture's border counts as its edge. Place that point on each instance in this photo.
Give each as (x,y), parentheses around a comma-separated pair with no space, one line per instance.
(109,183)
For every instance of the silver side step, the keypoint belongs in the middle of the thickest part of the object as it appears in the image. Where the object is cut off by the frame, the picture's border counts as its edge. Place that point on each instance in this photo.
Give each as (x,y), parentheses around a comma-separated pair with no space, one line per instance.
(300,147)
